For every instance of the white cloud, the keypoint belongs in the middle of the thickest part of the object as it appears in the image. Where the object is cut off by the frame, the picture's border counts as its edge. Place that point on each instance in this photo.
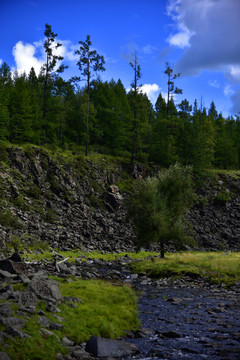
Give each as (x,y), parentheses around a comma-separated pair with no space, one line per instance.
(149,49)
(234,72)
(206,29)
(181,39)
(152,91)
(1,62)
(33,55)
(228,91)
(214,83)
(24,55)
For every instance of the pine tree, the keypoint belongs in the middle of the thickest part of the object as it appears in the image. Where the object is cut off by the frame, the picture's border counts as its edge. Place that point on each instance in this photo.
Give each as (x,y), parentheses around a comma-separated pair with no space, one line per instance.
(89,63)
(49,68)
(172,89)
(5,91)
(135,91)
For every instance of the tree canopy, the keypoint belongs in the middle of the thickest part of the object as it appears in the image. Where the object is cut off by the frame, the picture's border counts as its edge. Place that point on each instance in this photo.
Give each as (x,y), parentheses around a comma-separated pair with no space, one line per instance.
(158,206)
(103,116)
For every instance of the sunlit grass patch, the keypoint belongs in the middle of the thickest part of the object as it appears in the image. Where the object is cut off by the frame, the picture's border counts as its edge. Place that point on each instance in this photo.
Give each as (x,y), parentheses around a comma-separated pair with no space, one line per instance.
(106,310)
(219,267)
(72,255)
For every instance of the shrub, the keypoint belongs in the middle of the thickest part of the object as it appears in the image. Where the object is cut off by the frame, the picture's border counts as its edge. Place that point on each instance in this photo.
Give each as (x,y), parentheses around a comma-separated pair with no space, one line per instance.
(158,206)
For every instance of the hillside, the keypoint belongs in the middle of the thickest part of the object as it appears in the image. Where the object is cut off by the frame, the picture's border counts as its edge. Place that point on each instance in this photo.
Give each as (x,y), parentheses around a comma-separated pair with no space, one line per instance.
(72,201)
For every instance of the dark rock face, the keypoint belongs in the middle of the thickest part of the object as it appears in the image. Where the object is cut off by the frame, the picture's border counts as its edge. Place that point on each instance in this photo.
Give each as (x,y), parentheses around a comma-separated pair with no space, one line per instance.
(66,207)
(78,205)
(215,217)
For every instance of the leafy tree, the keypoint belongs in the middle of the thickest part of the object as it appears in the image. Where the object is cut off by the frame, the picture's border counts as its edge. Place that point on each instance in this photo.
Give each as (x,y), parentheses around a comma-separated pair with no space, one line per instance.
(158,207)
(89,63)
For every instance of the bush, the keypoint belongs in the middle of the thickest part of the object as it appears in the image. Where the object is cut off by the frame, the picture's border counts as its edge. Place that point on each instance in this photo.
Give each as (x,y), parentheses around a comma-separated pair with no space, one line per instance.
(222,197)
(158,206)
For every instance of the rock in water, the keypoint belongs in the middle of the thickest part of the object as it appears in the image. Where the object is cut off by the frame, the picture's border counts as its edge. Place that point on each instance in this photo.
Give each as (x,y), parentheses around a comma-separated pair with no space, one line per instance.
(104,348)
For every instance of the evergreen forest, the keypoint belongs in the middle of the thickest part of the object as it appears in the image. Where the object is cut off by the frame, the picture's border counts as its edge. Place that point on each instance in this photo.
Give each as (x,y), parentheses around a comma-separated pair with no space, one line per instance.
(45,109)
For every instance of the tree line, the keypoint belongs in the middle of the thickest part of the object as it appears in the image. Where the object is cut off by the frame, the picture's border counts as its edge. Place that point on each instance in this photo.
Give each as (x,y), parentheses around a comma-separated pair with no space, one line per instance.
(103,116)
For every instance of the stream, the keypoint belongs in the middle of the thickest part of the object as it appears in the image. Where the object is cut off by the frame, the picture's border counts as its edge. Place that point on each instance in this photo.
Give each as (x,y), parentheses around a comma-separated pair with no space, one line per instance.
(188,323)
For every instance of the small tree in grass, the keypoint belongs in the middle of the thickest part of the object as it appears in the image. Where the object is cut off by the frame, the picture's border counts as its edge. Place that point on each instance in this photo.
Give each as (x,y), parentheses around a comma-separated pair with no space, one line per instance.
(158,207)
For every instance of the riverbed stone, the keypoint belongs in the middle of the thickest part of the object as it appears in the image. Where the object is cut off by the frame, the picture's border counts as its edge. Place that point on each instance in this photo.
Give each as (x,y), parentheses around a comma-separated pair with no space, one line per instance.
(106,348)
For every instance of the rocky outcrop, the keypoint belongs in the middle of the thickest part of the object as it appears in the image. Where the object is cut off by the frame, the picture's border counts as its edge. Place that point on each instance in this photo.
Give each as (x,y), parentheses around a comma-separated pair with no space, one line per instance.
(216,214)
(75,203)
(67,203)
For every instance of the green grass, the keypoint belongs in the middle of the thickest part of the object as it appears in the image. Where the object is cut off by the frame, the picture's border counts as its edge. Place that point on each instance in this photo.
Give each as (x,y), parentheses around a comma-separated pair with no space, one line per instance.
(219,267)
(233,173)
(72,255)
(106,310)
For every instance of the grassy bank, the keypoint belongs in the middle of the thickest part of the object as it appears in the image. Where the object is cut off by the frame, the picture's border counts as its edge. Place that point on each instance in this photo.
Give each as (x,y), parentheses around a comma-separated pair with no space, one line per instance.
(218,267)
(106,310)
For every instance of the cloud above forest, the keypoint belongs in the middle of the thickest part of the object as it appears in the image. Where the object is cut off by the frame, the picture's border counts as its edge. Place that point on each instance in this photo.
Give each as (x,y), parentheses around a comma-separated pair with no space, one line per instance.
(25,57)
(207,31)
(152,91)
(33,55)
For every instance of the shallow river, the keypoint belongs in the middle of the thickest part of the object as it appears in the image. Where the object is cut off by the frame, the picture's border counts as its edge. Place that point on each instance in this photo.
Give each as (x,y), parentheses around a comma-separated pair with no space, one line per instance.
(188,323)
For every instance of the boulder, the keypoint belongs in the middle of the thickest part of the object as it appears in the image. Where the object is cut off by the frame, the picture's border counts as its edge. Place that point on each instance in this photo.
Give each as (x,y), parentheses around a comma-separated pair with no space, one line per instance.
(106,348)
(45,289)
(12,267)
(5,310)
(28,299)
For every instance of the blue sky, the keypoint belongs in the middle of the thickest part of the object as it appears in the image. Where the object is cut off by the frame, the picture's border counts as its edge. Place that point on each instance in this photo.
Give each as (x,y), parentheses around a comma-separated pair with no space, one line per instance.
(199,38)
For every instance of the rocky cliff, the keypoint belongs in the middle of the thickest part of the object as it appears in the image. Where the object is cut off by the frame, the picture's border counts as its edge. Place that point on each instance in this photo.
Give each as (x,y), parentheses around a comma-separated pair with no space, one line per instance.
(216,213)
(70,201)
(67,201)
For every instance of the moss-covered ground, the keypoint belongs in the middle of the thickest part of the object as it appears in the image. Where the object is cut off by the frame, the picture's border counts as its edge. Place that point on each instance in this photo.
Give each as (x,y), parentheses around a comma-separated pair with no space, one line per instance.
(217,267)
(106,310)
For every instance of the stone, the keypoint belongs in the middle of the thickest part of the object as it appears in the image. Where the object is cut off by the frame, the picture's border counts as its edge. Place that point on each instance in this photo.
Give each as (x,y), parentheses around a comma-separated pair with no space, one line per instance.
(81,354)
(171,334)
(67,342)
(28,299)
(4,356)
(12,267)
(43,321)
(45,289)
(49,333)
(15,332)
(55,326)
(5,310)
(72,299)
(15,257)
(104,348)
(6,275)
(13,321)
